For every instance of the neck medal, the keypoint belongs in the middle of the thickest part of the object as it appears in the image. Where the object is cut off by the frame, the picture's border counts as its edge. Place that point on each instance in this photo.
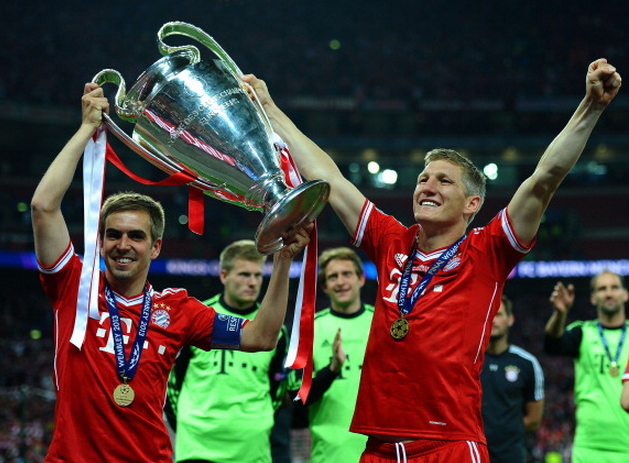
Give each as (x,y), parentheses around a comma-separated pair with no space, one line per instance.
(124,394)
(400,327)
(614,370)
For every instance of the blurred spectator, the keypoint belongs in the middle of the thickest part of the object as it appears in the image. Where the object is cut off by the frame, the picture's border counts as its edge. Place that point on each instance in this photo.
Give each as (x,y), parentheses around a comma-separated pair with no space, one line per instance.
(513,391)
(599,351)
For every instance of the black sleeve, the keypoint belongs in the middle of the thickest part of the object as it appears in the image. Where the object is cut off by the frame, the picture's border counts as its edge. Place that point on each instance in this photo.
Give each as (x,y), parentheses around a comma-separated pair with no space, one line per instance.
(175,381)
(278,376)
(320,384)
(299,416)
(567,345)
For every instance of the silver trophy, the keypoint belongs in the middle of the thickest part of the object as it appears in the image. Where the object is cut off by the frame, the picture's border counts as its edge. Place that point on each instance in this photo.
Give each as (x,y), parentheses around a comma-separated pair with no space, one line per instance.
(198,116)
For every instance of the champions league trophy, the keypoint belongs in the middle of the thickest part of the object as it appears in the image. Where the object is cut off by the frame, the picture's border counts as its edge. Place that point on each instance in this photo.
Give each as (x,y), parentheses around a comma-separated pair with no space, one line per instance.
(199,117)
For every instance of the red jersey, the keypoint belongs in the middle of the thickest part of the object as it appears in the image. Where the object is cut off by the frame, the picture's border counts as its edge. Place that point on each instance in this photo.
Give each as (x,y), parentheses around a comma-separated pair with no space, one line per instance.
(89,426)
(427,385)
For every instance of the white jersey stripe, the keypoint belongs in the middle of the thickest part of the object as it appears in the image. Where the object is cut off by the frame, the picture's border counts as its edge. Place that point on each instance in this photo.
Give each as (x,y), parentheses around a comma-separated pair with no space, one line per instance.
(362,224)
(54,364)
(511,236)
(487,314)
(63,260)
(537,370)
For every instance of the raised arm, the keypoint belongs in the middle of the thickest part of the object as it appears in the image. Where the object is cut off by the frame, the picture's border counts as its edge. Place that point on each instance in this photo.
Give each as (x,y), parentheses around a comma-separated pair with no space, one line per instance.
(562,299)
(49,227)
(263,331)
(312,161)
(531,199)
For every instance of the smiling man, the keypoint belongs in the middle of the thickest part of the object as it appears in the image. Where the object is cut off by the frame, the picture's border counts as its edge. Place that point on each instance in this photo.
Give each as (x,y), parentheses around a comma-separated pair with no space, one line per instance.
(128,245)
(600,350)
(110,388)
(439,286)
(340,338)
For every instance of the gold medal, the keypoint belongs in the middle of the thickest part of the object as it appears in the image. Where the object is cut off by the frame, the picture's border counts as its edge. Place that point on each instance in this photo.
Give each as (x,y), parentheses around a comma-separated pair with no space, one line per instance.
(124,395)
(613,370)
(399,328)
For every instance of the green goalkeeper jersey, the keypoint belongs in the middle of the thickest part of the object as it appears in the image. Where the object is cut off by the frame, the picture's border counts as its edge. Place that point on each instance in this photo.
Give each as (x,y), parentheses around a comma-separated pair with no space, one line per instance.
(224,400)
(330,416)
(602,424)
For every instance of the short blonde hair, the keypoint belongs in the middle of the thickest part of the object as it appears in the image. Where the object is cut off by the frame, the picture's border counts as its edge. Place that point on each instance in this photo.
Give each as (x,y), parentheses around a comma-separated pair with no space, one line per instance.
(341,253)
(473,179)
(241,249)
(595,278)
(131,201)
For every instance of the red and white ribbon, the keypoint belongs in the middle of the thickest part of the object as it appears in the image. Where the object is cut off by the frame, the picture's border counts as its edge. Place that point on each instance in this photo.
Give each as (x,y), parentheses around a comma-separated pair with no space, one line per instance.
(302,333)
(301,342)
(93,184)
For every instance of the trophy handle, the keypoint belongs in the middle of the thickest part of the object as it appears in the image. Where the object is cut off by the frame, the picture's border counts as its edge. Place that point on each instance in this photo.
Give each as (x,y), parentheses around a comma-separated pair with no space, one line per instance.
(111,76)
(193,32)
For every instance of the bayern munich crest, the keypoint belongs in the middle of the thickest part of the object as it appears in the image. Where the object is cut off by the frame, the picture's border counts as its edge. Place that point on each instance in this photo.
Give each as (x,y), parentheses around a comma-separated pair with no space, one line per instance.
(512,373)
(161,318)
(454,263)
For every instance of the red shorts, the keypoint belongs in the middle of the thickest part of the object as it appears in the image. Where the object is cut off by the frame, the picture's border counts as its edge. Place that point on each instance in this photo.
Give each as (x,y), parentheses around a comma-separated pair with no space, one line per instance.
(424,451)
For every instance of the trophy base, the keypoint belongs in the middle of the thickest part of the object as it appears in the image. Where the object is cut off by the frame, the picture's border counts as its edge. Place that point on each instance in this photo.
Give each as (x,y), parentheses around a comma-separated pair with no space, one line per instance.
(302,204)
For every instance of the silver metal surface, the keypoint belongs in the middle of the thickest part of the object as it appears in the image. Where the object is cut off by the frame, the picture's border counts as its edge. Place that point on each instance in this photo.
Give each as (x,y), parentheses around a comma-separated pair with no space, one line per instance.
(198,116)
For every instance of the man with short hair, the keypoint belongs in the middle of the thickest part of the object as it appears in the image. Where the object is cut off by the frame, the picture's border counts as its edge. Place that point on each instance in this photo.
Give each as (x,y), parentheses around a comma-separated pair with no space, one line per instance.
(110,381)
(439,286)
(224,401)
(599,348)
(513,391)
(340,338)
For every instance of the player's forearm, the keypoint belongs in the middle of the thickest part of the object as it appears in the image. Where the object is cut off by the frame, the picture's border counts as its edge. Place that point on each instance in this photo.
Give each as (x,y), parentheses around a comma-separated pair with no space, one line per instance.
(312,161)
(263,331)
(320,384)
(565,150)
(57,179)
(556,324)
(533,412)
(531,425)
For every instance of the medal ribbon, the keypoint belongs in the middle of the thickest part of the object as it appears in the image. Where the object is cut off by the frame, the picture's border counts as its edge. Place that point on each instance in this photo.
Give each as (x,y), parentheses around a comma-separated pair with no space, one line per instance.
(127,369)
(621,341)
(406,304)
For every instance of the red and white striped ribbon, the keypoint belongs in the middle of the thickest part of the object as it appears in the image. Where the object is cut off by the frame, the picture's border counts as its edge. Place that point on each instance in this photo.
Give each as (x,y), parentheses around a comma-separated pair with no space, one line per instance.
(302,333)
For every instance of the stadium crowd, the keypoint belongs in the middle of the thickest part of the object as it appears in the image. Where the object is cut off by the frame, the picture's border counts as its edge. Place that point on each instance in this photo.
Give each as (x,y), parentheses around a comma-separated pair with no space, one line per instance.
(376,52)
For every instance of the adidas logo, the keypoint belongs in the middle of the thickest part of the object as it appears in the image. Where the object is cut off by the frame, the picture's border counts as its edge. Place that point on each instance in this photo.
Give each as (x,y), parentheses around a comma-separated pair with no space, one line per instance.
(400,259)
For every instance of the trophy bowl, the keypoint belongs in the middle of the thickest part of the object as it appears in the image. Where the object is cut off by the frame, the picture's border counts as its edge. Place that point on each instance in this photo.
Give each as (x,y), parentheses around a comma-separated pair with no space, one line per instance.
(196,115)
